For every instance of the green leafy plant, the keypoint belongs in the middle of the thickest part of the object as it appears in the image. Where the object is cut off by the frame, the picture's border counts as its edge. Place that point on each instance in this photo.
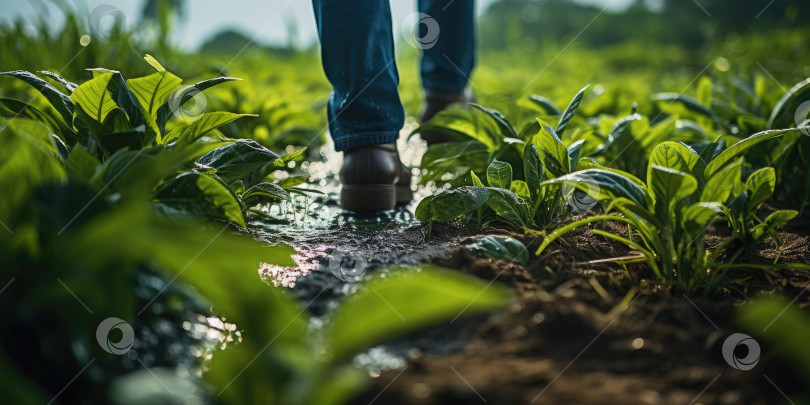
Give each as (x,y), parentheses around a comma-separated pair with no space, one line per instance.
(667,217)
(484,136)
(105,124)
(520,203)
(500,247)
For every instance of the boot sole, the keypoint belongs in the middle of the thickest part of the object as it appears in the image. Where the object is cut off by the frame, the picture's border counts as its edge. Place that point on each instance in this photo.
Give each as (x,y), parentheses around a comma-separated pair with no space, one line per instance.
(368,197)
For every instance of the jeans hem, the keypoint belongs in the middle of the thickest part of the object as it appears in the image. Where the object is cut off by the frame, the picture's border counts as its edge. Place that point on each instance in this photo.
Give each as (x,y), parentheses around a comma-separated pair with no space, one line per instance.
(356,141)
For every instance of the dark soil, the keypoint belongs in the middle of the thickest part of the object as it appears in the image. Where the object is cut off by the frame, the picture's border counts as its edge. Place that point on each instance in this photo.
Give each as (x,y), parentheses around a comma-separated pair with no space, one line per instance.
(583,331)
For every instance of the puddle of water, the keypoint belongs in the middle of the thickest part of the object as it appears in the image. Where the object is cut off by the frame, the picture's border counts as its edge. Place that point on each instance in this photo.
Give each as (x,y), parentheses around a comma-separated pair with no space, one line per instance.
(336,250)
(323,233)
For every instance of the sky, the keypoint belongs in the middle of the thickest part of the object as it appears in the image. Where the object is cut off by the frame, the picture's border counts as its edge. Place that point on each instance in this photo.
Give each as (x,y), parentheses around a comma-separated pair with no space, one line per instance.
(268,20)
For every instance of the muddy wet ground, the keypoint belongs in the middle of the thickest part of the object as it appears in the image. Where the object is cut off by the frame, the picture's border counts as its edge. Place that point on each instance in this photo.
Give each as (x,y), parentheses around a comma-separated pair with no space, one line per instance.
(581,330)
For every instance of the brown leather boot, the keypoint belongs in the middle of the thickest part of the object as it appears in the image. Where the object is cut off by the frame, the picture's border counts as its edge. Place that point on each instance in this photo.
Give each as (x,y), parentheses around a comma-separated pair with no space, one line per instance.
(436,102)
(374,179)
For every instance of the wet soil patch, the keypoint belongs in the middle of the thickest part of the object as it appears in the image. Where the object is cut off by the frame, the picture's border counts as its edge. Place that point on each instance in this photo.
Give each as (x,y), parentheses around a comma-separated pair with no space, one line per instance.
(583,331)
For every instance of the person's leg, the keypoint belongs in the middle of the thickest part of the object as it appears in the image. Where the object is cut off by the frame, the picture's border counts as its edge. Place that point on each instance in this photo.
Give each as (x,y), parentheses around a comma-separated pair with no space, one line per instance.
(448,57)
(357,49)
(448,60)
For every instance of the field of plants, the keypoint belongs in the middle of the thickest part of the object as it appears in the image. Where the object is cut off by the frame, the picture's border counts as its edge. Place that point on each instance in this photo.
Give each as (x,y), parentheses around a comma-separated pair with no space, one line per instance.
(613,223)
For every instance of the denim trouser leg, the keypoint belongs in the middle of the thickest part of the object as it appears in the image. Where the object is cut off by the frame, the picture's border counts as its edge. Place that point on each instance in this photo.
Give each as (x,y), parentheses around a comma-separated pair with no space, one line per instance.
(357,49)
(447,63)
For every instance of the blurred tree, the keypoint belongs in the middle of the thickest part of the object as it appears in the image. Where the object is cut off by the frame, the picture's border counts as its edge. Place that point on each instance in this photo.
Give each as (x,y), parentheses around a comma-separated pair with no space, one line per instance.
(685,23)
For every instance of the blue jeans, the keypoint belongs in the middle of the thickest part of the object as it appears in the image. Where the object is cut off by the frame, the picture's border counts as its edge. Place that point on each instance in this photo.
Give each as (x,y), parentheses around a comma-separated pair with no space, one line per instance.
(357,50)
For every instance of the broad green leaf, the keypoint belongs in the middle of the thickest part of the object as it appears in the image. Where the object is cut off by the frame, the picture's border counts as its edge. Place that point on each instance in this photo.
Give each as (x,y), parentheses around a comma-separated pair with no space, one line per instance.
(506,129)
(264,192)
(424,211)
(80,163)
(533,170)
(690,103)
(555,154)
(131,139)
(11,108)
(573,153)
(123,97)
(675,156)
(698,217)
(545,104)
(760,186)
(723,184)
(499,174)
(797,90)
(500,247)
(153,91)
(58,100)
(239,159)
(475,180)
(771,222)
(520,188)
(738,148)
(509,206)
(779,218)
(201,194)
(588,163)
(609,185)
(94,98)
(68,85)
(292,156)
(179,98)
(407,299)
(475,124)
(668,186)
(454,203)
(293,181)
(569,112)
(618,133)
(453,158)
(190,132)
